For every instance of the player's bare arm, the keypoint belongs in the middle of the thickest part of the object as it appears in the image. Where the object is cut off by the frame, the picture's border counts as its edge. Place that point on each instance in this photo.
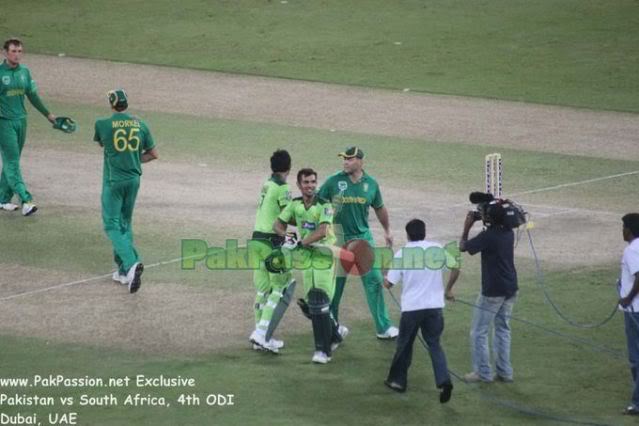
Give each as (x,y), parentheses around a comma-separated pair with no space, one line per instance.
(387,284)
(317,235)
(382,216)
(468,223)
(150,155)
(279,228)
(626,301)
(452,279)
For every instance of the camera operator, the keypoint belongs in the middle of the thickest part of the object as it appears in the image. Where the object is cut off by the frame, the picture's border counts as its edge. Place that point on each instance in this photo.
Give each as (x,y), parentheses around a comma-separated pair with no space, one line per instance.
(498,291)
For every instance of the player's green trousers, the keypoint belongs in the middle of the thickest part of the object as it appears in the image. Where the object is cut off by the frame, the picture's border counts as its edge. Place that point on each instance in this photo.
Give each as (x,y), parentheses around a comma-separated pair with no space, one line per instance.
(118,201)
(323,278)
(269,286)
(373,290)
(13,134)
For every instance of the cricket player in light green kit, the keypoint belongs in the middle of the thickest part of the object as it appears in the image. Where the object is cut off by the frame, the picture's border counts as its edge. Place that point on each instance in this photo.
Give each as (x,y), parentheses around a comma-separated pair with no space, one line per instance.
(16,83)
(352,191)
(313,218)
(127,143)
(274,197)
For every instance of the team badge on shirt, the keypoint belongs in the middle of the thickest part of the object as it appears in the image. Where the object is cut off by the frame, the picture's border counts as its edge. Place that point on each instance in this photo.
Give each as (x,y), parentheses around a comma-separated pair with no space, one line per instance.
(365,187)
(342,185)
(6,80)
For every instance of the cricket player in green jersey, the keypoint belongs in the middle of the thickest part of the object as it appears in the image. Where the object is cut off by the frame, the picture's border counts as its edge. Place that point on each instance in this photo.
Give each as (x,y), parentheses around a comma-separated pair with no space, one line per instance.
(352,191)
(127,143)
(16,83)
(313,218)
(274,197)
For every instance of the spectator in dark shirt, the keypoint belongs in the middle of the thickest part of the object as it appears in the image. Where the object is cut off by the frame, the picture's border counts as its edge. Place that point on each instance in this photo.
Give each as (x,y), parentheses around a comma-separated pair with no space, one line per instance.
(498,293)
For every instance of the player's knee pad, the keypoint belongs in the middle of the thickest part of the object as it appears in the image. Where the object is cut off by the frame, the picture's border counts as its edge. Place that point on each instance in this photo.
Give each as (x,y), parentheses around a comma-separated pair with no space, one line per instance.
(319,309)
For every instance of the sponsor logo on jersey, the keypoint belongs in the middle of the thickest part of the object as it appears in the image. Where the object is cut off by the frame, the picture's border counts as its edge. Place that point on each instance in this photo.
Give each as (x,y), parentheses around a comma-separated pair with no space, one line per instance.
(351,200)
(6,80)
(328,211)
(342,185)
(15,92)
(365,187)
(309,225)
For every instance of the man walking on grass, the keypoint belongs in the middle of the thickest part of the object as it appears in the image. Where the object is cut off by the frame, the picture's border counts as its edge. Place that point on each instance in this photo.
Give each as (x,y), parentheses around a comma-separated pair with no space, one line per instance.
(127,143)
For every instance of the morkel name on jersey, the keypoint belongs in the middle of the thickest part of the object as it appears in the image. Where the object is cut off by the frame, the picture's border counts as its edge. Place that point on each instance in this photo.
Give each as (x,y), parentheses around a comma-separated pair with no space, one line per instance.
(125,123)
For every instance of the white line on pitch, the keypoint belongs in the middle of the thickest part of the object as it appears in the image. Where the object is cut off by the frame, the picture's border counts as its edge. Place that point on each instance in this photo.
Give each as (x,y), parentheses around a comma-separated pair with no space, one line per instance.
(166,262)
(72,283)
(581,182)
(549,188)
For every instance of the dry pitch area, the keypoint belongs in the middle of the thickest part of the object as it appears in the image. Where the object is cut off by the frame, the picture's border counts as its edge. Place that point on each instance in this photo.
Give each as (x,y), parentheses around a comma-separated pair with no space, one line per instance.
(178,319)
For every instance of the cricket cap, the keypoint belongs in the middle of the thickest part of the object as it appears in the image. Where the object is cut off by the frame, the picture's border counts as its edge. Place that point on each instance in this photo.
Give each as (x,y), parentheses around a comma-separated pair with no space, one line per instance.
(118,99)
(352,152)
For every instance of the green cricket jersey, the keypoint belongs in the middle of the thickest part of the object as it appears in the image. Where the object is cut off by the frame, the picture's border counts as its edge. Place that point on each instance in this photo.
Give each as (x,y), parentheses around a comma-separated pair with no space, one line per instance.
(351,202)
(15,84)
(124,138)
(309,220)
(274,197)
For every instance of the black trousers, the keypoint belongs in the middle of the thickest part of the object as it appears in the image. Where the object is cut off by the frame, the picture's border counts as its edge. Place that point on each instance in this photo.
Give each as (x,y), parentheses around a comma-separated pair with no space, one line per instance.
(431,323)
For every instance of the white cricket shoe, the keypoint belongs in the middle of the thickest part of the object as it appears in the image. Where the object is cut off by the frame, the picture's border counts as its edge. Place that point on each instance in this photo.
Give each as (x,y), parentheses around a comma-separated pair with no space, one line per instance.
(28,209)
(390,333)
(119,278)
(320,357)
(8,207)
(133,277)
(277,344)
(343,332)
(259,340)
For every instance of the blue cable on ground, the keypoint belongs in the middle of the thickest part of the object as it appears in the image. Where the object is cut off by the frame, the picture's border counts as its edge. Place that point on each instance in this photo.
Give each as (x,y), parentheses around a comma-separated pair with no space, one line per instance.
(601,348)
(510,404)
(540,282)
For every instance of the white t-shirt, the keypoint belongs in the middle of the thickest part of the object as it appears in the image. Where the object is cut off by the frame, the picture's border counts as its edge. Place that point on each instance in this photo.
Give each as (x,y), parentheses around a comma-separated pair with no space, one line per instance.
(629,267)
(422,287)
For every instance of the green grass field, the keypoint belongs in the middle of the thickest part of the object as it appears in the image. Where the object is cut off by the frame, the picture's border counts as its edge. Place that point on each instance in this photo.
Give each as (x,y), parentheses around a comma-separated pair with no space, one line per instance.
(548,367)
(570,52)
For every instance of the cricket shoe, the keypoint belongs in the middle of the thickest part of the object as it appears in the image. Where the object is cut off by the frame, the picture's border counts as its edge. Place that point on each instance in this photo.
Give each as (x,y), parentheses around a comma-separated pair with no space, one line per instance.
(394,386)
(259,340)
(28,209)
(631,410)
(278,344)
(343,332)
(447,391)
(8,207)
(474,377)
(390,333)
(119,278)
(320,357)
(134,277)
